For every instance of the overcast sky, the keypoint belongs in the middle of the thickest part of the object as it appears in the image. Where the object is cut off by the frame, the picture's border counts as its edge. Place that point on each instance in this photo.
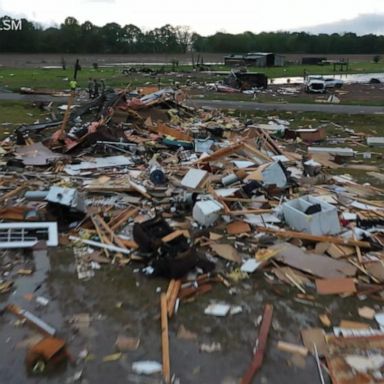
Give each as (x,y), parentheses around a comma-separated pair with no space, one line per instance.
(207,17)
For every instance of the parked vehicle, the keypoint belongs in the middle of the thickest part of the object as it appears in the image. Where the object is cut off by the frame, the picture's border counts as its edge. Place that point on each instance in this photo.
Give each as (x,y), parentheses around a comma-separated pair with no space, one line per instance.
(330,82)
(333,83)
(315,86)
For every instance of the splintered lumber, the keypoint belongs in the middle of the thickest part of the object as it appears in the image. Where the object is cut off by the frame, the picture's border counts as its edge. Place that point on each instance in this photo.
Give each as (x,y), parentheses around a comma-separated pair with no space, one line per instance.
(171,302)
(170,288)
(249,211)
(221,153)
(307,236)
(358,250)
(165,339)
(175,234)
(261,345)
(97,244)
(12,193)
(105,232)
(335,286)
(168,131)
(122,218)
(60,134)
(258,153)
(292,348)
(187,293)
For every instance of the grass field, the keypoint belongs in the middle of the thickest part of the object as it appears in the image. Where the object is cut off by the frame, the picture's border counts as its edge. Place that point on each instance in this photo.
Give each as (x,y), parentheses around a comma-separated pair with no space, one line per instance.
(57,79)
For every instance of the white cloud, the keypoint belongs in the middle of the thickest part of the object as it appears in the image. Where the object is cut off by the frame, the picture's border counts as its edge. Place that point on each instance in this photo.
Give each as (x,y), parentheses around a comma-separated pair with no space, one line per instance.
(205,17)
(361,25)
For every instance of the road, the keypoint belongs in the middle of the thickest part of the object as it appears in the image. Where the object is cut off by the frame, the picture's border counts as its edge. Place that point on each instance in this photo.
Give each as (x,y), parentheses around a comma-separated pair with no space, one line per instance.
(32,98)
(241,105)
(324,108)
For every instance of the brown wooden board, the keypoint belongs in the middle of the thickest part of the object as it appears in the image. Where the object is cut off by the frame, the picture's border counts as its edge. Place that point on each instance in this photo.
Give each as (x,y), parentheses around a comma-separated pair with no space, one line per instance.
(335,286)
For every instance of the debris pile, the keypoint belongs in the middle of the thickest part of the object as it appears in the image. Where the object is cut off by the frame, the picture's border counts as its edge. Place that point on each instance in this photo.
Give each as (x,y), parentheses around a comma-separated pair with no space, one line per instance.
(201,198)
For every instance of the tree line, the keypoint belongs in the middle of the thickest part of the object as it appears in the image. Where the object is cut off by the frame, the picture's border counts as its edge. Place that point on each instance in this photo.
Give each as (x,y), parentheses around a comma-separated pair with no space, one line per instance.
(73,37)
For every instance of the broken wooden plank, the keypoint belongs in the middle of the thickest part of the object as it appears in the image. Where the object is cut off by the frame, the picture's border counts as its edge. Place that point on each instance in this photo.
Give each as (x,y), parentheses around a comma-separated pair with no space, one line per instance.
(221,153)
(317,265)
(165,130)
(226,251)
(335,286)
(187,293)
(165,339)
(260,345)
(307,236)
(171,303)
(170,288)
(105,232)
(292,348)
(347,324)
(175,234)
(238,227)
(249,211)
(12,193)
(314,336)
(122,218)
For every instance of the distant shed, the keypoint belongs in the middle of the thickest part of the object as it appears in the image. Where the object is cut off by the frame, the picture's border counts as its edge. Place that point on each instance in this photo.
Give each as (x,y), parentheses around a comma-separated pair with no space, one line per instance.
(256,59)
(313,60)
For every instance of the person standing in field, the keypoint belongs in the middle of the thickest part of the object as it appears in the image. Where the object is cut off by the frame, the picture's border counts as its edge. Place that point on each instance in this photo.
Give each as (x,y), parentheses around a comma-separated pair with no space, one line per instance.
(96,87)
(90,88)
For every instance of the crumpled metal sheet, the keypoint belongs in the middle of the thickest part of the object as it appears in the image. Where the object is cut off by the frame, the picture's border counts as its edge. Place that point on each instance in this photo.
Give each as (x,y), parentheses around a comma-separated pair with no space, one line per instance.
(37,154)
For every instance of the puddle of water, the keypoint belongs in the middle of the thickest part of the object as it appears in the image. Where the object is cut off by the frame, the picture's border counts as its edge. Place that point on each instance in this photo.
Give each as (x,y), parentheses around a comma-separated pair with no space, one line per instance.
(361,78)
(27,284)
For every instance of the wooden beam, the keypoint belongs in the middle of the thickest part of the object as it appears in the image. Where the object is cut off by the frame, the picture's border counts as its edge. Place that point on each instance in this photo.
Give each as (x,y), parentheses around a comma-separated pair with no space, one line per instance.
(170,288)
(12,193)
(67,115)
(308,236)
(292,348)
(173,298)
(220,153)
(165,339)
(188,292)
(357,248)
(122,218)
(261,344)
(173,235)
(250,211)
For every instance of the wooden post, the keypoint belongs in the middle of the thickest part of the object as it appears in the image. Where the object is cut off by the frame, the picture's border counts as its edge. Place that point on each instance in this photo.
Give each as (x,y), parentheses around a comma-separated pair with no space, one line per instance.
(165,339)
(308,236)
(173,297)
(261,344)
(60,134)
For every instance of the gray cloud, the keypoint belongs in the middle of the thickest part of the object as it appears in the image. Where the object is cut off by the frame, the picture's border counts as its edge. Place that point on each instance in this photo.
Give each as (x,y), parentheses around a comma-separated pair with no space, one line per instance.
(361,25)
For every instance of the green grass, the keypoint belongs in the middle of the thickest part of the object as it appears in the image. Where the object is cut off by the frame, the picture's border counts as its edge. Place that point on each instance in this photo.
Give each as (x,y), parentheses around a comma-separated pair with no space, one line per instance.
(15,113)
(14,78)
(57,79)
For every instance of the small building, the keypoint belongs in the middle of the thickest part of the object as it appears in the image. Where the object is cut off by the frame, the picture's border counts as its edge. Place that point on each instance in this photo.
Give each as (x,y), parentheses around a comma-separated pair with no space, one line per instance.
(311,60)
(256,59)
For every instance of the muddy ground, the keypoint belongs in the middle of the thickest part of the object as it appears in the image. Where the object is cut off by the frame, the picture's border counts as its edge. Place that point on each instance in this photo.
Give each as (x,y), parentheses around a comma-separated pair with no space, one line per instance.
(359,94)
(123,302)
(16,60)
